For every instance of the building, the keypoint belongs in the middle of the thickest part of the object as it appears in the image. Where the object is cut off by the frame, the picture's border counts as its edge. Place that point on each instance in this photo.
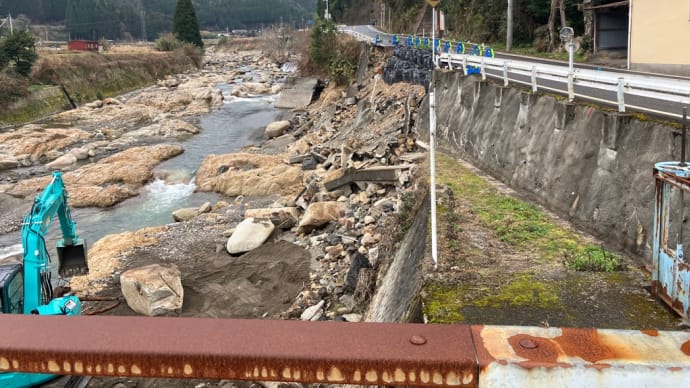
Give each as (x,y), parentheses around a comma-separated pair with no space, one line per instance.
(82,45)
(611,23)
(659,36)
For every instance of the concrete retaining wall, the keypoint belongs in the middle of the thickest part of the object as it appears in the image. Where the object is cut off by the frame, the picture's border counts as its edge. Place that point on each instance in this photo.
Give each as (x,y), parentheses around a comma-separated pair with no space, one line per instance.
(397,294)
(590,166)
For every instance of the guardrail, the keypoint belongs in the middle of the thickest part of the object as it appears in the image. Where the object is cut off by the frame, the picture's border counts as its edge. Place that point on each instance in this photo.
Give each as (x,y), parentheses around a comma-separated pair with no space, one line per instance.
(622,85)
(625,91)
(344,353)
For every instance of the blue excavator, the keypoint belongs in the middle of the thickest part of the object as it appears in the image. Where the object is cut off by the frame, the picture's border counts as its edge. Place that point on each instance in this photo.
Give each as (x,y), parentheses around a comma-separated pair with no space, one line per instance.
(26,287)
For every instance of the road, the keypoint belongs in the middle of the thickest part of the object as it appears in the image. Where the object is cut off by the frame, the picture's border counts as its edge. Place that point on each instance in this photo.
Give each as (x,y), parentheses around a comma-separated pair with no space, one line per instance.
(647,101)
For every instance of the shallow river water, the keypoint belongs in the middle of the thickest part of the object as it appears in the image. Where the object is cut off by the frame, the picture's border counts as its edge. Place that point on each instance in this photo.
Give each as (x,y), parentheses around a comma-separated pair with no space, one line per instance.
(239,122)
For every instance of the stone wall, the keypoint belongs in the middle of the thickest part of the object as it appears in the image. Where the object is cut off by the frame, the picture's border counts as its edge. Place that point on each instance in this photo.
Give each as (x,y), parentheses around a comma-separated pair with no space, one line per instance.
(591,166)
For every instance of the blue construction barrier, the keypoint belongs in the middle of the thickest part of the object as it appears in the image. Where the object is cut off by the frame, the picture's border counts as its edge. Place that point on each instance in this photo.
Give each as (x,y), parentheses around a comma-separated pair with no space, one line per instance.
(446,46)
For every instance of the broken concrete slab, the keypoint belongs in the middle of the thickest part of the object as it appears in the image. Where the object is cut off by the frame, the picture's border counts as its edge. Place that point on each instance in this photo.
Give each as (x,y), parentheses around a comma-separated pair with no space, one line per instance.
(385,174)
(297,93)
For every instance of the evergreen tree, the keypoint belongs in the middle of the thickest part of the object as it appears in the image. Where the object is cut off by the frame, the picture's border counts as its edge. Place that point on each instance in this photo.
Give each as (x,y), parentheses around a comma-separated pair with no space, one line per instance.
(185,23)
(18,51)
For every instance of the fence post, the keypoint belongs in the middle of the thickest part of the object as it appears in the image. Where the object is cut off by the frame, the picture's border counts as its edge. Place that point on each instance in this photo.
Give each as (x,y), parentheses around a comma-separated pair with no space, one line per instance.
(505,74)
(534,79)
(464,65)
(571,87)
(450,61)
(482,70)
(621,94)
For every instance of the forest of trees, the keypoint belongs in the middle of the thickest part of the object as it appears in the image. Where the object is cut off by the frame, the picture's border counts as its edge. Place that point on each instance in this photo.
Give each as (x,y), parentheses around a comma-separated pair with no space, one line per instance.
(122,19)
(480,20)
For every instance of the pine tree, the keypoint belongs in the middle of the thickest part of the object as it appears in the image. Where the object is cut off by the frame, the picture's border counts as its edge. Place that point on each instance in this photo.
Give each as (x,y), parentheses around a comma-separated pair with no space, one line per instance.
(185,23)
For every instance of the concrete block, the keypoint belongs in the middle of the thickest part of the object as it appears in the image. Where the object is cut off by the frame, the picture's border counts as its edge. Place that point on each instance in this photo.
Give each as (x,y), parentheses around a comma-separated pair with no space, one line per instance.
(612,128)
(498,98)
(526,101)
(565,112)
(469,93)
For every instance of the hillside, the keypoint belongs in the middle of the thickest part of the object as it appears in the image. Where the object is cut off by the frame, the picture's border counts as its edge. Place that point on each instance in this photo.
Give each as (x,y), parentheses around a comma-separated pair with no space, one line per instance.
(122,19)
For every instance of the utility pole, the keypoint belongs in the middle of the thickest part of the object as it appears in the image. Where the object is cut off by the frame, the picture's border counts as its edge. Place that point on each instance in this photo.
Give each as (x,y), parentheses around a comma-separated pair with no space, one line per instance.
(383,15)
(143,26)
(11,28)
(509,26)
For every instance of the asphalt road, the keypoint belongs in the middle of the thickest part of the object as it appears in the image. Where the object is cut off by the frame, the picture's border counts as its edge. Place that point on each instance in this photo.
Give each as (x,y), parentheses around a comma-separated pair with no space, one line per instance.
(634,102)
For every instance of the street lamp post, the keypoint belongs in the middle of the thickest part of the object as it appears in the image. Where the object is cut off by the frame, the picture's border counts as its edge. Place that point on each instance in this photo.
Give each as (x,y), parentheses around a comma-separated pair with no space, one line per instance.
(567,35)
(327,14)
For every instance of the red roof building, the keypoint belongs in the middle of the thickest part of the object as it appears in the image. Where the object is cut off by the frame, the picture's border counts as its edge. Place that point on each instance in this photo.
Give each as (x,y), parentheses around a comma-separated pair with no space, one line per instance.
(82,45)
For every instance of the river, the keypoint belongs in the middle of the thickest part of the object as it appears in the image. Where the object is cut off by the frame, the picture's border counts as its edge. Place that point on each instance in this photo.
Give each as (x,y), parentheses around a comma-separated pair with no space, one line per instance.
(239,122)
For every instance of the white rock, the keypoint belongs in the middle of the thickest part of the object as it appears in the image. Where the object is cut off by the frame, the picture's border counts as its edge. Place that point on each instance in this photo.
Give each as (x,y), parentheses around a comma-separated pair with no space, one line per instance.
(62,162)
(277,128)
(353,317)
(80,153)
(249,234)
(313,313)
(368,220)
(153,290)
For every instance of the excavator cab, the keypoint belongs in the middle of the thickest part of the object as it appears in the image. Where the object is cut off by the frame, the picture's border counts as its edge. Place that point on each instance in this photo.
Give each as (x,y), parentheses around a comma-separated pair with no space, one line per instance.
(11,288)
(72,258)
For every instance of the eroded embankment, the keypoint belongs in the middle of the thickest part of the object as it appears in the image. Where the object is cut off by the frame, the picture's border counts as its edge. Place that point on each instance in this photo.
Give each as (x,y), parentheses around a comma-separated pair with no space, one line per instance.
(85,77)
(590,166)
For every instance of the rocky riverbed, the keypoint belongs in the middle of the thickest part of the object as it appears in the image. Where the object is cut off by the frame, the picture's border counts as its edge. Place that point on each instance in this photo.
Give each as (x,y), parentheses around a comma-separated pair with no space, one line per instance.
(323,189)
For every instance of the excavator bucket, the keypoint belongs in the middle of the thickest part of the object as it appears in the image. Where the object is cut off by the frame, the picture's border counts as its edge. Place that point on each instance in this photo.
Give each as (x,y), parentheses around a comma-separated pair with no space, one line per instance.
(72,259)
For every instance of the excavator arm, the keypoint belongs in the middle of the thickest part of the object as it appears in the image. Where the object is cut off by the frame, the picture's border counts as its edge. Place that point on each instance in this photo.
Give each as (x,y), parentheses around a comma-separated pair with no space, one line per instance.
(38,298)
(33,275)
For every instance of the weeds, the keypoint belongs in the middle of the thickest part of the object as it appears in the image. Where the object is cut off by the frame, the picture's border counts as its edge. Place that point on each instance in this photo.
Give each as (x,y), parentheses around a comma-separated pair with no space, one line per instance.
(520,224)
(593,259)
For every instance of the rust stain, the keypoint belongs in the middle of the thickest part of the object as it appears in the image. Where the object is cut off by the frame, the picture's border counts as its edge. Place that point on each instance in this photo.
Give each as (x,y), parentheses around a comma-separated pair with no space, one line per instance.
(651,333)
(536,364)
(685,348)
(544,354)
(598,366)
(484,357)
(584,343)
(675,369)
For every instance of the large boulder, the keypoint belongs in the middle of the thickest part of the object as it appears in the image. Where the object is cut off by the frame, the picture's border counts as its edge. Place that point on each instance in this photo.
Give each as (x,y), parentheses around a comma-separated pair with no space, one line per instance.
(185,214)
(249,234)
(153,290)
(277,128)
(282,217)
(165,128)
(321,213)
(34,142)
(248,175)
(7,162)
(249,89)
(63,161)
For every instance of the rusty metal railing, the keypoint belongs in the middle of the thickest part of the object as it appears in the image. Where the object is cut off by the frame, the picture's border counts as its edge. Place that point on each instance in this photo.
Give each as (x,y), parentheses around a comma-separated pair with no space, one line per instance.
(346,353)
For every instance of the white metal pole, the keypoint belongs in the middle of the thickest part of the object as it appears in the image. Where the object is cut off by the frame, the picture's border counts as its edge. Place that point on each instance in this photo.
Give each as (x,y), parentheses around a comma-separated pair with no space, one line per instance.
(432,156)
(433,36)
(11,29)
(570,56)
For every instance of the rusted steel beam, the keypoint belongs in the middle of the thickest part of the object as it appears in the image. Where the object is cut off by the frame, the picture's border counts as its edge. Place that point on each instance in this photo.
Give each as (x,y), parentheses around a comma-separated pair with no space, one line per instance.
(259,350)
(536,357)
(345,353)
